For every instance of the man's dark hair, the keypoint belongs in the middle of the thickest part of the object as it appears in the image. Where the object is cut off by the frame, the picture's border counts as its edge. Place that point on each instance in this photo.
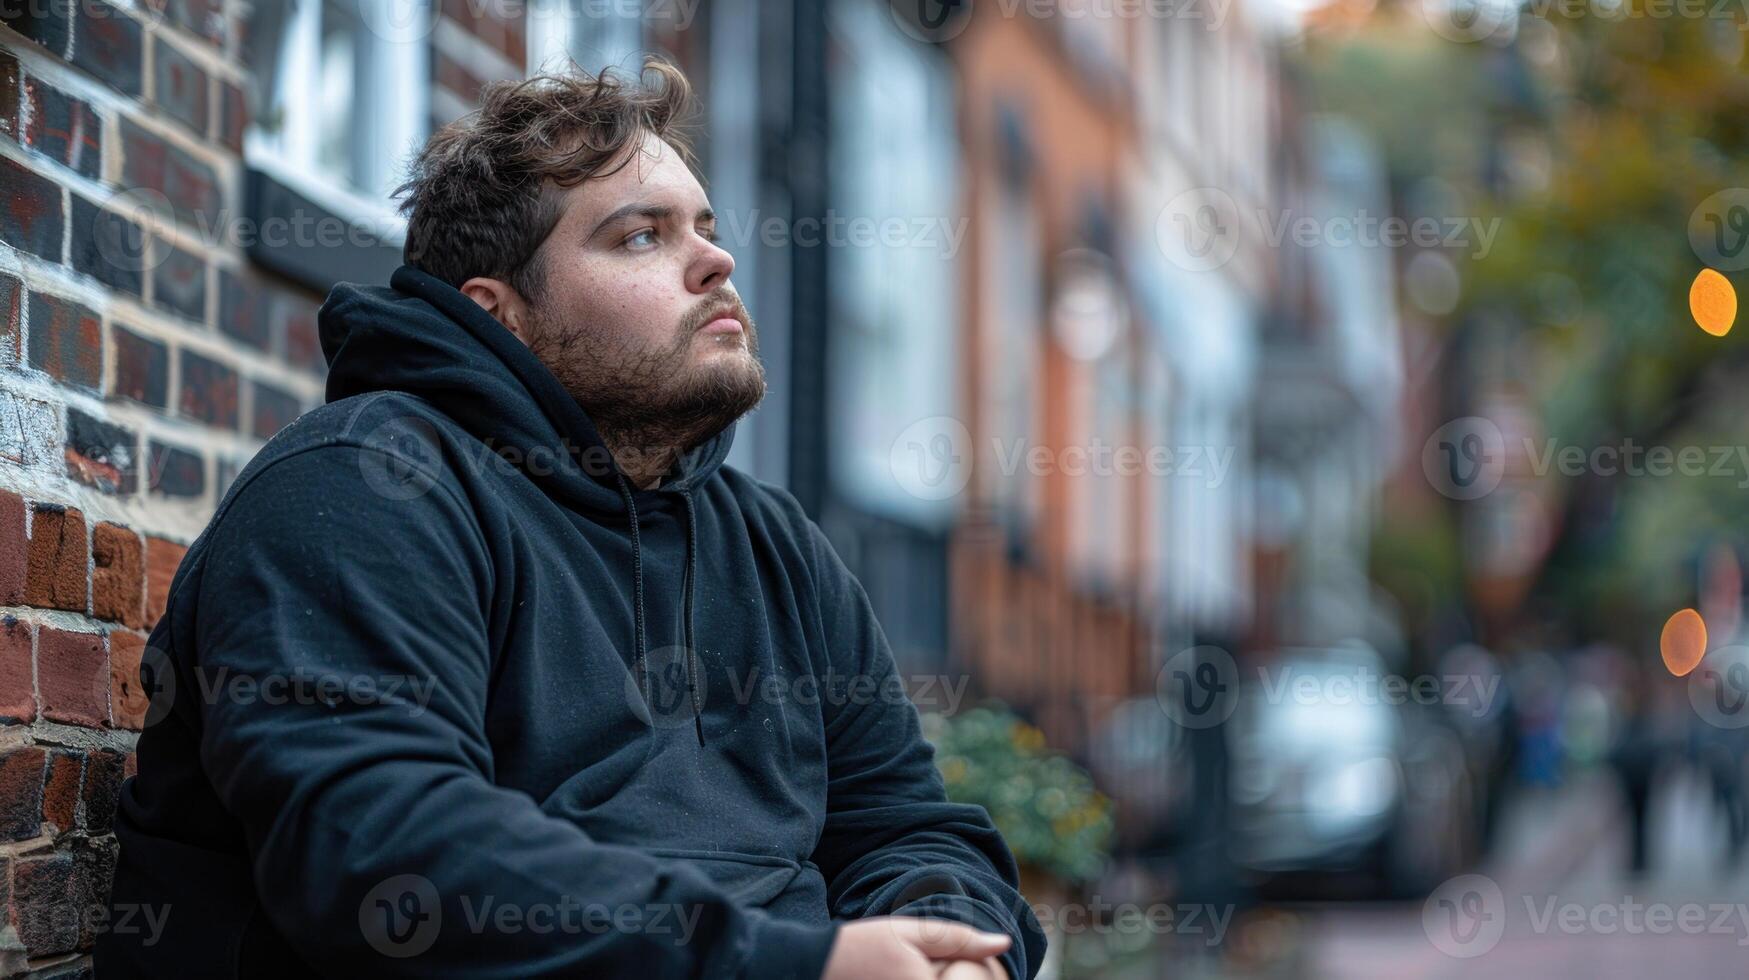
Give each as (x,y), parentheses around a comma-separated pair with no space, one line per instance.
(486,190)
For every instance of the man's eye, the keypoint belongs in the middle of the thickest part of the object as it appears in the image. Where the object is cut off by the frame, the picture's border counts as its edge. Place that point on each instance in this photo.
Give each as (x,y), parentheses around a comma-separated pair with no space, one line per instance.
(647,233)
(710,235)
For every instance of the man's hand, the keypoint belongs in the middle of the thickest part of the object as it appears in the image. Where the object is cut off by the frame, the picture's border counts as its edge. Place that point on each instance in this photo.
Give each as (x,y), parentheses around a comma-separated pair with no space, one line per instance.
(910,948)
(990,969)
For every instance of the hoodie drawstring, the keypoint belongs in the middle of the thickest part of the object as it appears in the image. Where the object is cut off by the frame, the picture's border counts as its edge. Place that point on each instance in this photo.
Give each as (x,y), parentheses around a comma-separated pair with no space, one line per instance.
(639,653)
(686,599)
(642,653)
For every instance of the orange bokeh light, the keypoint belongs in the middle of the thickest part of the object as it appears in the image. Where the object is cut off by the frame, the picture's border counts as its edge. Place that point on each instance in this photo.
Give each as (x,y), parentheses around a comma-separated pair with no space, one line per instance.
(1713,302)
(1683,641)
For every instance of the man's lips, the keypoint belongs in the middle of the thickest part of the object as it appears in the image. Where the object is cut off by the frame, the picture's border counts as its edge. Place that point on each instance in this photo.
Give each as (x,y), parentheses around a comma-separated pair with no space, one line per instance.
(722,325)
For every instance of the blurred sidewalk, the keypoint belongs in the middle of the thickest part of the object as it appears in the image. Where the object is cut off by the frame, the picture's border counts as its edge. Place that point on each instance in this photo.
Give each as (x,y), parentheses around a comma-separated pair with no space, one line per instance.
(1560,849)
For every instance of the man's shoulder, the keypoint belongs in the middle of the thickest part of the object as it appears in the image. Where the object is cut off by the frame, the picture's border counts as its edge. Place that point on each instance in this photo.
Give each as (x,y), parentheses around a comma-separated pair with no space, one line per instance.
(402,434)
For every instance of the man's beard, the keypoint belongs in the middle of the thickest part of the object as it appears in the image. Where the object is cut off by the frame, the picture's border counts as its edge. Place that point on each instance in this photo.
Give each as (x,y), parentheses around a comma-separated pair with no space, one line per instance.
(650,407)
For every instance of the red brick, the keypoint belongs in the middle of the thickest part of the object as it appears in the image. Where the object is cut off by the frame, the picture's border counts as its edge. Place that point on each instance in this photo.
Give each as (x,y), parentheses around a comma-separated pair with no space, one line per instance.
(162,557)
(128,698)
(303,346)
(61,788)
(21,792)
(66,340)
(14,545)
(174,471)
(55,571)
(118,575)
(72,671)
(17,687)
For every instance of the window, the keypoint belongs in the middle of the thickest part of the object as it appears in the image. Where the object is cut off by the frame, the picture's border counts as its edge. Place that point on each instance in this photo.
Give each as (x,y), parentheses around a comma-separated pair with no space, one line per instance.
(595,35)
(342,99)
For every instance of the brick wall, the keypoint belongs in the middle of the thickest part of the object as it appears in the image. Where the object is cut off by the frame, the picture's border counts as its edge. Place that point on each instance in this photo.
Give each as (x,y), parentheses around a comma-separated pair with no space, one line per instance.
(142,361)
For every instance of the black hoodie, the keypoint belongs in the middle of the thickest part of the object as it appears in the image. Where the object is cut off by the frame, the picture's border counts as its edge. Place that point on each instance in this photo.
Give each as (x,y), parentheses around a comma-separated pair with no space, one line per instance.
(422,706)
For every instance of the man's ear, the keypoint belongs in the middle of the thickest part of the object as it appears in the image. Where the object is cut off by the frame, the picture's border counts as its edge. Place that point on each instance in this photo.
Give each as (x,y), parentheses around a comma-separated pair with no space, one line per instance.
(506,306)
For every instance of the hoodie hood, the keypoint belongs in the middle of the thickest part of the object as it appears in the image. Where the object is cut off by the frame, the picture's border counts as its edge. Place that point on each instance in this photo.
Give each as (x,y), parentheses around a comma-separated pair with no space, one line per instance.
(421,336)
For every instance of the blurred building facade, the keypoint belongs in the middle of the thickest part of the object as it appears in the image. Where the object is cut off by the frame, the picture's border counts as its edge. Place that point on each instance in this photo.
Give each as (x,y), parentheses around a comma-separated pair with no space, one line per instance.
(1031,365)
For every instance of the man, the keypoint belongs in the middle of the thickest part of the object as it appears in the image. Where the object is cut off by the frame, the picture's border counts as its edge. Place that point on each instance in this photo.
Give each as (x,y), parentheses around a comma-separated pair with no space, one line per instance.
(490,667)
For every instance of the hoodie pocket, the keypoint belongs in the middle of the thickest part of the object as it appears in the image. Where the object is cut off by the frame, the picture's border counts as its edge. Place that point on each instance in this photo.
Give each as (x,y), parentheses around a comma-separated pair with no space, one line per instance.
(750,879)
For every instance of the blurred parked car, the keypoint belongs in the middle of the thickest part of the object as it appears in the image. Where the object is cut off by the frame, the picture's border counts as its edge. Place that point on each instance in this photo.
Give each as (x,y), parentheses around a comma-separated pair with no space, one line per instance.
(1345,786)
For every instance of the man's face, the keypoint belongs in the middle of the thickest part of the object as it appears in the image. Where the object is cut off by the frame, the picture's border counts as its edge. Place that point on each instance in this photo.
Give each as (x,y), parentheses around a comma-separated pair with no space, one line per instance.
(638,318)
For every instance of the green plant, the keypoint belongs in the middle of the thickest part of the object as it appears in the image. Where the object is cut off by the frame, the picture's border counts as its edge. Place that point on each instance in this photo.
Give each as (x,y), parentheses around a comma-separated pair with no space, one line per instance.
(1045,805)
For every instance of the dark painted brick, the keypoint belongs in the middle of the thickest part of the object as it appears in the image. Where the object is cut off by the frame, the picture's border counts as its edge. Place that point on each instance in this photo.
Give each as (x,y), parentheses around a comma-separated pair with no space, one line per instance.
(63,127)
(243,309)
(142,368)
(107,246)
(45,904)
(47,22)
(11,314)
(179,281)
(274,410)
(31,217)
(107,43)
(93,873)
(103,769)
(21,792)
(228,468)
(209,391)
(233,116)
(65,340)
(175,472)
(9,93)
(297,316)
(202,17)
(179,86)
(101,454)
(148,160)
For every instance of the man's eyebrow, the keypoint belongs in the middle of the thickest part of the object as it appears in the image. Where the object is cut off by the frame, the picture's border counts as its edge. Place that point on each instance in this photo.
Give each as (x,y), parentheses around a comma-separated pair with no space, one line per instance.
(645,209)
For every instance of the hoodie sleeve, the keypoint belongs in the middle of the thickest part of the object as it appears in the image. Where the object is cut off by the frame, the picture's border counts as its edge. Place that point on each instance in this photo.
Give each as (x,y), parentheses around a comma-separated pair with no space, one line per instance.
(360,767)
(892,843)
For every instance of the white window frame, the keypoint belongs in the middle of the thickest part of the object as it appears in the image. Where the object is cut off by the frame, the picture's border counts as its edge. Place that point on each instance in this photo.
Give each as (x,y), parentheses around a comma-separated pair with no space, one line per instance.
(391,112)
